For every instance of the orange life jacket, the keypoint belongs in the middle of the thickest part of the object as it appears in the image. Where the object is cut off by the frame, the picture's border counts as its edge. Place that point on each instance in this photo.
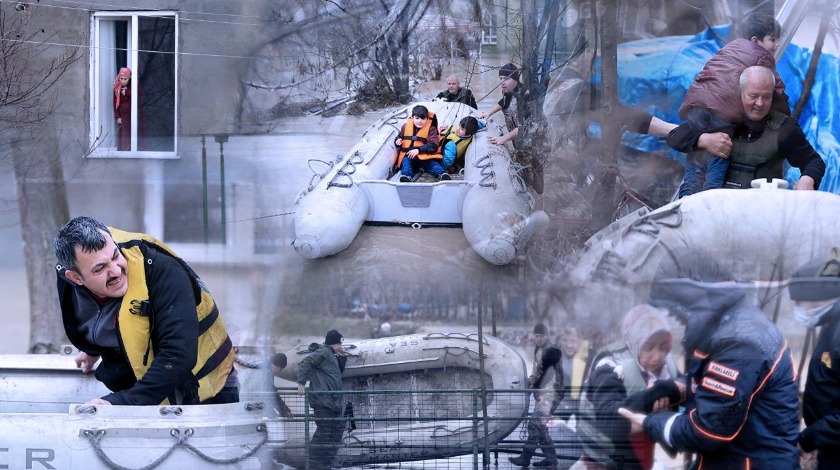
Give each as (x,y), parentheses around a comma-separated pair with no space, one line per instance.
(413,139)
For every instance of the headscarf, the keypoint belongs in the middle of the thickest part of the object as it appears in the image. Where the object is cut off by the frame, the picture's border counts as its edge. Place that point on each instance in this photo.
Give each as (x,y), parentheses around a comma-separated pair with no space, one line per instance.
(639,325)
(124,72)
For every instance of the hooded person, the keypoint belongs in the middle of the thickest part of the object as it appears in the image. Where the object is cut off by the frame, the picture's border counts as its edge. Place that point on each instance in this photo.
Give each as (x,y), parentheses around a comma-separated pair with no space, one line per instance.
(815,289)
(741,408)
(640,363)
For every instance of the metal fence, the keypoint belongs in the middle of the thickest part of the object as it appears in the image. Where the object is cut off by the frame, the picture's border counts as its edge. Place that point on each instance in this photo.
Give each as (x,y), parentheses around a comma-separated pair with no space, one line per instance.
(440,429)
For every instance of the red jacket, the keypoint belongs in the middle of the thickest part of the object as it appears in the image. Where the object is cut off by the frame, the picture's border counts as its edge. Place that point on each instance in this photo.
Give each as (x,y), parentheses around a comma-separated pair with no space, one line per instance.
(716,86)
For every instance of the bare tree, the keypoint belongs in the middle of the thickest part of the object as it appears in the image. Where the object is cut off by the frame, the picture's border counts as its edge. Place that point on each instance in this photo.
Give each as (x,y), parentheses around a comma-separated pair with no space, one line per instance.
(372,49)
(30,69)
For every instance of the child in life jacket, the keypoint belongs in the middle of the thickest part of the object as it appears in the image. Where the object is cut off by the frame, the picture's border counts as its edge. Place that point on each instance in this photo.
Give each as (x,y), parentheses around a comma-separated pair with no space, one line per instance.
(456,140)
(417,146)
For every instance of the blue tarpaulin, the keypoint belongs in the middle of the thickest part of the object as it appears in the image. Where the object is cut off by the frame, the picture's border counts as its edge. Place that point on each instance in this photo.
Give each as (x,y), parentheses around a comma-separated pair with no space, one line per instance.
(654,74)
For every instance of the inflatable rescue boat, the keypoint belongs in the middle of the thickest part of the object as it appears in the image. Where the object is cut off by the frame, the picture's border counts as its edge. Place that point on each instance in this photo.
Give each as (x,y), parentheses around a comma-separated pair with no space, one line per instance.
(488,199)
(412,401)
(762,235)
(47,425)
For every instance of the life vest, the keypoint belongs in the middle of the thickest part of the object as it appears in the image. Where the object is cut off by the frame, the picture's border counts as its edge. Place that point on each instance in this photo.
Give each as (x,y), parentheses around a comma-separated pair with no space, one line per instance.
(413,139)
(460,144)
(758,159)
(215,349)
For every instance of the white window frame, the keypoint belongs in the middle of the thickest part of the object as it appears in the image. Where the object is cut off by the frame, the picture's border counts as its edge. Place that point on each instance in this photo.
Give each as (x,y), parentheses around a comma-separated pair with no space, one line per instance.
(95,85)
(490,35)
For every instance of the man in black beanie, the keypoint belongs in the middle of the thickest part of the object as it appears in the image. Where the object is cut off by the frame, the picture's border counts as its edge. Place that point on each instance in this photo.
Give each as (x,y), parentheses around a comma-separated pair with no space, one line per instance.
(512,93)
(815,289)
(322,368)
(509,82)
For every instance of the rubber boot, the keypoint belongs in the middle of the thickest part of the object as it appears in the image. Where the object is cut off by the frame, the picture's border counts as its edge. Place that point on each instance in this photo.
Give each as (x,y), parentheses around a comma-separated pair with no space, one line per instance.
(550,460)
(524,459)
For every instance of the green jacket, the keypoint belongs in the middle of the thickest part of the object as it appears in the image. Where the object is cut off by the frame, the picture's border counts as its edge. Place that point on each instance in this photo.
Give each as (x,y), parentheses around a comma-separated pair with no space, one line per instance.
(322,368)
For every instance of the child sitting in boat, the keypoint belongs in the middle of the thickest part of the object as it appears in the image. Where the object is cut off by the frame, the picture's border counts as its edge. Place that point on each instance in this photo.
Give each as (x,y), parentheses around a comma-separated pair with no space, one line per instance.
(456,140)
(418,141)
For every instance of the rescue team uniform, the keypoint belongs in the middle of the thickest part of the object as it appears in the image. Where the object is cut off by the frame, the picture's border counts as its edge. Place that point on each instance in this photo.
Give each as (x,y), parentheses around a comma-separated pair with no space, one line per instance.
(821,401)
(426,140)
(741,399)
(758,152)
(163,341)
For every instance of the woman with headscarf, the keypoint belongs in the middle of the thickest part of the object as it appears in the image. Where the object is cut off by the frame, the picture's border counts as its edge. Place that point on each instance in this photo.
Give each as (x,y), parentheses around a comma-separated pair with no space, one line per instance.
(640,362)
(122,108)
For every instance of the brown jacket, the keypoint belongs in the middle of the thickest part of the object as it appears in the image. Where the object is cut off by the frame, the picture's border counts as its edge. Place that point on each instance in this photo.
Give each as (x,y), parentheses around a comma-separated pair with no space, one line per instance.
(716,86)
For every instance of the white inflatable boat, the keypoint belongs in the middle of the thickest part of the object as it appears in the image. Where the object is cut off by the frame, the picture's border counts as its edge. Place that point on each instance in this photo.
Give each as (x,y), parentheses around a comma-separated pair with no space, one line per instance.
(395,422)
(489,200)
(762,235)
(47,426)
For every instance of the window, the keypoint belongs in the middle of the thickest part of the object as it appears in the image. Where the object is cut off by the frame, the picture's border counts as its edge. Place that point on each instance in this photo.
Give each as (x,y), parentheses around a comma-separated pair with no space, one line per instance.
(489,33)
(145,43)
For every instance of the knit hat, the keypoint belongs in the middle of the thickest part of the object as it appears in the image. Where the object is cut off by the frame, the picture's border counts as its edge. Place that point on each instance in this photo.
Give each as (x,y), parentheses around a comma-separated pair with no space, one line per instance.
(510,71)
(333,337)
(279,360)
(817,280)
(540,329)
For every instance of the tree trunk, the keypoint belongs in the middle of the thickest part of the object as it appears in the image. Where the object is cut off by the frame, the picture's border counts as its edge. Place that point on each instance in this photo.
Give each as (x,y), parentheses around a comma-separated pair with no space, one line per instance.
(42,200)
(604,203)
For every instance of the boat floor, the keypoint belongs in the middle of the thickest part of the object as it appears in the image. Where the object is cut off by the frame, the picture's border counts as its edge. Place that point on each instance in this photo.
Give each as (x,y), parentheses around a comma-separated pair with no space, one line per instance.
(424,201)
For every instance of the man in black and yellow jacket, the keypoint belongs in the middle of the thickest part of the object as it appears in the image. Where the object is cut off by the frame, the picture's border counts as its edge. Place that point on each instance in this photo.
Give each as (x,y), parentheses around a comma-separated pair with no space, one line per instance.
(128,299)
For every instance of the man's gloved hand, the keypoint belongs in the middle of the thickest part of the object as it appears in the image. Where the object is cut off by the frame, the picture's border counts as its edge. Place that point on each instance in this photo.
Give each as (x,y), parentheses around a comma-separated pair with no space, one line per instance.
(642,402)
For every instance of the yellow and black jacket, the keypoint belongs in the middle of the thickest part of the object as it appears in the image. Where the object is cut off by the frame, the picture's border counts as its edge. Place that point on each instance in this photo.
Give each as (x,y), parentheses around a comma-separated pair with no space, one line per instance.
(172,345)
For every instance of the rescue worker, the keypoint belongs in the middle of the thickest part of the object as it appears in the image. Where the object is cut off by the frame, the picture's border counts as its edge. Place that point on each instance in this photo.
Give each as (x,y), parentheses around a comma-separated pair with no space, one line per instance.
(761,142)
(815,288)
(547,380)
(128,299)
(455,93)
(741,409)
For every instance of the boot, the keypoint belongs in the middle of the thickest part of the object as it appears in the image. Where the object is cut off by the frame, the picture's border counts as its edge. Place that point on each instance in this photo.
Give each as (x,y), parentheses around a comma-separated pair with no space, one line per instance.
(550,460)
(522,461)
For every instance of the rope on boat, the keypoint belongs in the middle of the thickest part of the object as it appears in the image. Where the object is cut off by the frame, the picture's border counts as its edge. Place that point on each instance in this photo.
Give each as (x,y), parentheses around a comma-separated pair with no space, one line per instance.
(467,336)
(350,166)
(260,427)
(316,175)
(95,437)
(485,165)
(515,169)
